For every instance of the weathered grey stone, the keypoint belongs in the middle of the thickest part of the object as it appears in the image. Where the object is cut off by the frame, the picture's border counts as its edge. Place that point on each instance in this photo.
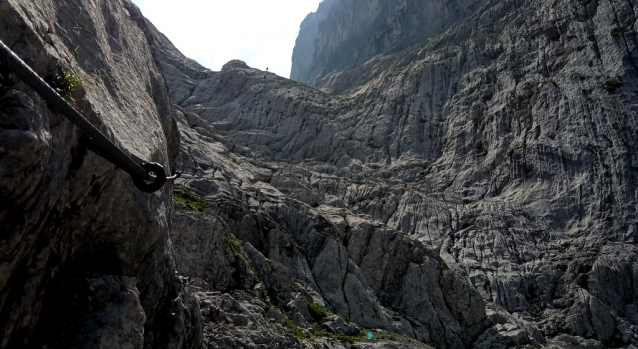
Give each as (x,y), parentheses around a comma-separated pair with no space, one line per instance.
(345,34)
(337,325)
(504,147)
(84,256)
(475,189)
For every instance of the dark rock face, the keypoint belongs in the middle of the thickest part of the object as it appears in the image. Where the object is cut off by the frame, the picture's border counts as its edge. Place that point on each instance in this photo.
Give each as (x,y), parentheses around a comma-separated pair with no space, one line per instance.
(84,256)
(345,34)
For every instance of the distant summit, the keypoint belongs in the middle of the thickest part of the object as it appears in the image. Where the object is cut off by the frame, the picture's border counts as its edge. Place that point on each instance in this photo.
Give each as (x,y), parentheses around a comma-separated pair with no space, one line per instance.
(235,63)
(345,34)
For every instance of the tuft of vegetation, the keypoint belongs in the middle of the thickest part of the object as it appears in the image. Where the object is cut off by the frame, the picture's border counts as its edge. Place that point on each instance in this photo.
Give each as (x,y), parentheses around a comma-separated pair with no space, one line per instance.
(296,330)
(317,332)
(267,179)
(317,311)
(564,247)
(234,160)
(347,227)
(66,83)
(613,85)
(190,199)
(237,248)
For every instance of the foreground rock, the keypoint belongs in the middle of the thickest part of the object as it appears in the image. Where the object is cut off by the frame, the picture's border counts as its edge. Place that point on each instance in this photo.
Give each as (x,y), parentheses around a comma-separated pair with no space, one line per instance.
(84,256)
(478,189)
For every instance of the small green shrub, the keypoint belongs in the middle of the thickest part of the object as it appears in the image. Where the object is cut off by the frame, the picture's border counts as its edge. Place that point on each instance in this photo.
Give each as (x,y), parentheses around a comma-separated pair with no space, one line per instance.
(234,160)
(296,330)
(618,31)
(317,311)
(237,248)
(190,199)
(347,227)
(67,83)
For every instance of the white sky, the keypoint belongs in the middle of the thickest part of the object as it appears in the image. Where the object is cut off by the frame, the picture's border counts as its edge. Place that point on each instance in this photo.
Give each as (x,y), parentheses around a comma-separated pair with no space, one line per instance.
(260,32)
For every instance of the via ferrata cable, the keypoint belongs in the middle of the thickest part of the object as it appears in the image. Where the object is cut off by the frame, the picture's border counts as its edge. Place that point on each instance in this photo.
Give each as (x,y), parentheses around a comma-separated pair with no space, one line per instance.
(99,143)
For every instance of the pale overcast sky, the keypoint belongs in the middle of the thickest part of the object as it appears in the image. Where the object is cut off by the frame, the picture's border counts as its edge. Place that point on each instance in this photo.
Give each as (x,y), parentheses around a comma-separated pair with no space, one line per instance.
(260,32)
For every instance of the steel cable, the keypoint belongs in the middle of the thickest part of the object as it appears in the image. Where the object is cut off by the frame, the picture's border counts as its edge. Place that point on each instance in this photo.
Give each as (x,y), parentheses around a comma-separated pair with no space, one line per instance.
(100,144)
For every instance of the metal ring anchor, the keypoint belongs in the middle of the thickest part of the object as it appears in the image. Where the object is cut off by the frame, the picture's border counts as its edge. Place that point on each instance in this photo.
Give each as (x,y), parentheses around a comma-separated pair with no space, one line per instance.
(160,177)
(157,184)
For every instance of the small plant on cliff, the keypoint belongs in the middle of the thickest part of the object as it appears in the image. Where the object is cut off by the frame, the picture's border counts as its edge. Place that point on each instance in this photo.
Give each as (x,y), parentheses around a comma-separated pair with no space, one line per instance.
(236,247)
(618,31)
(190,199)
(347,227)
(296,330)
(317,311)
(66,83)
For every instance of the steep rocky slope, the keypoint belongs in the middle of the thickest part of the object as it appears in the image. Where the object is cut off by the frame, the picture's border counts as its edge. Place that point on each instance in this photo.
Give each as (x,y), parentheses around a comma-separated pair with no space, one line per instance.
(297,259)
(501,151)
(84,256)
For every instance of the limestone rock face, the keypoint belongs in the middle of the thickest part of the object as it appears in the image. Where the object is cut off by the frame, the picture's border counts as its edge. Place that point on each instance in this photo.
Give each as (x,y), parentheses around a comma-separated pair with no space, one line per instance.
(84,256)
(251,243)
(478,189)
(345,34)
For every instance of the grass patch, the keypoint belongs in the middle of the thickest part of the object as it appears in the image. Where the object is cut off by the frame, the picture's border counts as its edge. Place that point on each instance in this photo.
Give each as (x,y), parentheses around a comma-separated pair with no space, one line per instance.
(317,311)
(190,199)
(351,339)
(317,332)
(66,83)
(296,330)
(234,160)
(237,248)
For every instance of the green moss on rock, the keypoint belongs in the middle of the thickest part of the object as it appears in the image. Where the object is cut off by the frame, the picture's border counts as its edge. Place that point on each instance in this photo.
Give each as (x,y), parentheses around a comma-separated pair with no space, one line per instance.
(190,199)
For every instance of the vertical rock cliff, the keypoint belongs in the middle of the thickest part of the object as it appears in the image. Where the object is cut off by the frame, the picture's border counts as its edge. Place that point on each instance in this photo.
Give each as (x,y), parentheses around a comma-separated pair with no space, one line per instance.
(84,256)
(345,34)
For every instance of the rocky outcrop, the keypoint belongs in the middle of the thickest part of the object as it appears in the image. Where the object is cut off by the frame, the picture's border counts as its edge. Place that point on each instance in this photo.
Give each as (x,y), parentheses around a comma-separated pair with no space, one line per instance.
(84,257)
(502,149)
(345,34)
(293,258)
